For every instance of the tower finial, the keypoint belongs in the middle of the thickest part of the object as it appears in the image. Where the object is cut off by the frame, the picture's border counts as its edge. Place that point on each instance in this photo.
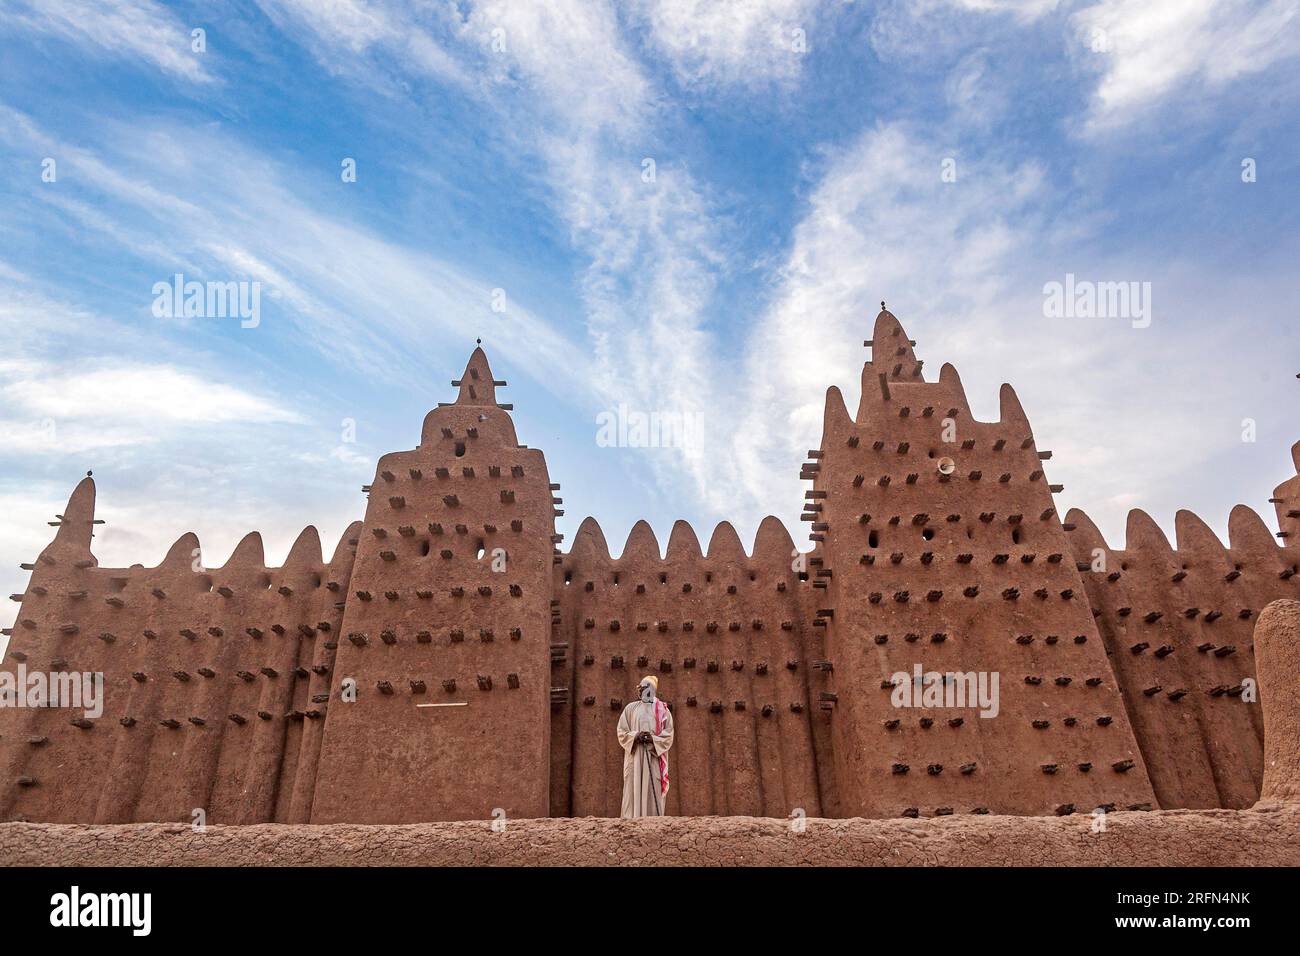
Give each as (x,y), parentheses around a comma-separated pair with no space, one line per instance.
(891,351)
(477,387)
(77,523)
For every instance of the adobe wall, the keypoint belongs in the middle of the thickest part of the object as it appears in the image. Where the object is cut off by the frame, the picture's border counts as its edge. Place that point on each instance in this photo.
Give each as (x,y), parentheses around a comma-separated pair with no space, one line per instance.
(1277,639)
(450,607)
(1286,499)
(732,641)
(1261,836)
(1178,624)
(451,663)
(206,681)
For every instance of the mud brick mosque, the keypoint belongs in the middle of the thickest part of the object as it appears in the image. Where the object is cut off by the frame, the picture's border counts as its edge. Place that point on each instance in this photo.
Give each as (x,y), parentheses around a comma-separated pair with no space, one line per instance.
(408,678)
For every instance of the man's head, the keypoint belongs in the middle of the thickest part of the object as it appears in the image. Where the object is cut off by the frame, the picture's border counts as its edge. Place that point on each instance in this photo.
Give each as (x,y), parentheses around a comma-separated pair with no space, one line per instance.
(648,688)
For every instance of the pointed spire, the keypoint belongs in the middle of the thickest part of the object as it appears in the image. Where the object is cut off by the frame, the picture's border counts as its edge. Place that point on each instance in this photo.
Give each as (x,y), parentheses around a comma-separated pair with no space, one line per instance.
(477,387)
(891,350)
(76,524)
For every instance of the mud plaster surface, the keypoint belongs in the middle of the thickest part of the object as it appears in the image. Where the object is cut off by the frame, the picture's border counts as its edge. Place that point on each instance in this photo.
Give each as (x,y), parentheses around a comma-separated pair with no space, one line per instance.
(1268,835)
(1124,681)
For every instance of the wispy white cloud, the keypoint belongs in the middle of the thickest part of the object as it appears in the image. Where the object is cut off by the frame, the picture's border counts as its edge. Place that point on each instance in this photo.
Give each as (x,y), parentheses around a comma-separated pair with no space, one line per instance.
(648,232)
(357,298)
(575,95)
(1150,49)
(1023,9)
(145,393)
(123,29)
(178,439)
(1131,413)
(1128,56)
(390,38)
(62,392)
(571,91)
(881,224)
(932,31)
(753,43)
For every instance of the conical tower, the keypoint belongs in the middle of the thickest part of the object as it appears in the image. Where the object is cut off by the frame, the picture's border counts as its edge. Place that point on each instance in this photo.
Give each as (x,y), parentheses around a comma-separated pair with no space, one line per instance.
(947,555)
(440,700)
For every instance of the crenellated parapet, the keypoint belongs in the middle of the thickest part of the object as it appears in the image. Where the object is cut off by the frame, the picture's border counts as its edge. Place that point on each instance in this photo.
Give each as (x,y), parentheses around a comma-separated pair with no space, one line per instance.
(1178,624)
(734,639)
(207,680)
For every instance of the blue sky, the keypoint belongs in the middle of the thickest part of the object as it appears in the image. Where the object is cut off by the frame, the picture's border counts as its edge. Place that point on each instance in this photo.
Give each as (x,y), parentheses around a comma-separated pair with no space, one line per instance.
(500,147)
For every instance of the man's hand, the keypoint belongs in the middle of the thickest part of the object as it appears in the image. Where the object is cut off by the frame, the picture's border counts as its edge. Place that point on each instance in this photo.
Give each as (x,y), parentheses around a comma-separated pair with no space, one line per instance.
(643,737)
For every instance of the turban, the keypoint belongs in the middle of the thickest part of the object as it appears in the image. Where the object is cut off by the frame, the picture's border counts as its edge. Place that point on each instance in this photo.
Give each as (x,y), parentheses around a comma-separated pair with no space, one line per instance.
(650,679)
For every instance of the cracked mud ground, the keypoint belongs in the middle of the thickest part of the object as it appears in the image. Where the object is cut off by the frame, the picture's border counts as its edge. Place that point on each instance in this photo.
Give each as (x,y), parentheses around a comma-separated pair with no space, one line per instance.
(1268,835)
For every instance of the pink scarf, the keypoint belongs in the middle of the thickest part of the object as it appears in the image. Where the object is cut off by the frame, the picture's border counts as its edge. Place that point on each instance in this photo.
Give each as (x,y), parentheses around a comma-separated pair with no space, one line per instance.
(660,710)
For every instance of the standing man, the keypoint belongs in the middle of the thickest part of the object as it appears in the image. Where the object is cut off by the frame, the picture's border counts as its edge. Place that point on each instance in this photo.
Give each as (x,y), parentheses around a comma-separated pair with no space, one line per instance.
(645,732)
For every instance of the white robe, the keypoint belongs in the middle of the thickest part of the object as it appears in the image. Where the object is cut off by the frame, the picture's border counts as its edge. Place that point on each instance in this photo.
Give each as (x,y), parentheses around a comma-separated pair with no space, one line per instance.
(644,790)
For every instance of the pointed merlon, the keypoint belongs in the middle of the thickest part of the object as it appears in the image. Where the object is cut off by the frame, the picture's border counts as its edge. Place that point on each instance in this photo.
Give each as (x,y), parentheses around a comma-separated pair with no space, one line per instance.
(184,552)
(1248,533)
(306,551)
(1084,535)
(683,544)
(1010,411)
(956,393)
(642,545)
(725,546)
(248,554)
(773,546)
(1143,535)
(343,551)
(589,544)
(835,416)
(1195,536)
